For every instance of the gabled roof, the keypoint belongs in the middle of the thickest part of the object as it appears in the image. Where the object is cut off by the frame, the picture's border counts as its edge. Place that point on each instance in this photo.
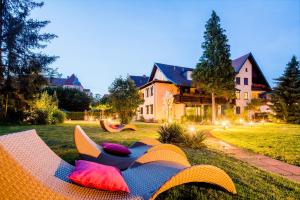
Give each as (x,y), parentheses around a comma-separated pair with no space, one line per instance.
(174,74)
(238,63)
(139,80)
(57,81)
(178,75)
(72,80)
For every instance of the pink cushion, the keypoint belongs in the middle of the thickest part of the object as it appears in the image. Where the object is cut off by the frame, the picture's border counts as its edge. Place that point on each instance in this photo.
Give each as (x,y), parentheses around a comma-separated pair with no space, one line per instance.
(116,149)
(94,175)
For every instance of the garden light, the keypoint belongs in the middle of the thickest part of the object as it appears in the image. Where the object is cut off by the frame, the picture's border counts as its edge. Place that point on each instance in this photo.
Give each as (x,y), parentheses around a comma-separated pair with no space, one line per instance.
(225,124)
(192,129)
(170,120)
(241,120)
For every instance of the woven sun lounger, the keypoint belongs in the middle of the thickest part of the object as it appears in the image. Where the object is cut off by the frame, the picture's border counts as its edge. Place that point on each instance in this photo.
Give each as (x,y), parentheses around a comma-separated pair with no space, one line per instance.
(105,126)
(31,170)
(143,151)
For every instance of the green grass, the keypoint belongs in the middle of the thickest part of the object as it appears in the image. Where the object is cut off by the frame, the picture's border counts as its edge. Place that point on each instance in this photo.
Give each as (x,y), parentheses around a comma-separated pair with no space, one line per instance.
(251,182)
(279,141)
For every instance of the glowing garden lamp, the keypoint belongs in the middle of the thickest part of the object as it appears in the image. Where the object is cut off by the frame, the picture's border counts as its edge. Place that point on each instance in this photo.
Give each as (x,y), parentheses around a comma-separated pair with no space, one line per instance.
(241,120)
(225,124)
(170,120)
(192,130)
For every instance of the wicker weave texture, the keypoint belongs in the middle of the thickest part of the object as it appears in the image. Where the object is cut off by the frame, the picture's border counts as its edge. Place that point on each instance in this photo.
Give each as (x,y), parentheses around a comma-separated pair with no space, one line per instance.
(30,170)
(106,127)
(169,147)
(163,155)
(201,173)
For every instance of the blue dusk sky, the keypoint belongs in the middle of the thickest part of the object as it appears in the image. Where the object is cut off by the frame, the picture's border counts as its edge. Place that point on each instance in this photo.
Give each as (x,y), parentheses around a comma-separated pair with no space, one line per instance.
(101,40)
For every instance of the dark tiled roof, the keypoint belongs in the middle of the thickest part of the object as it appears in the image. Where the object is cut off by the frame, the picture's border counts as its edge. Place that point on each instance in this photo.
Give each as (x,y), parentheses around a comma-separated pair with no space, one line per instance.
(139,80)
(238,63)
(174,74)
(72,80)
(57,81)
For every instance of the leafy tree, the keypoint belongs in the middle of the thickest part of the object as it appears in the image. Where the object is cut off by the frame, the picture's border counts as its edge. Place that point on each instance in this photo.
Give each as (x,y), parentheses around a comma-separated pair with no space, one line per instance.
(124,98)
(286,94)
(71,99)
(214,73)
(44,110)
(21,62)
(254,105)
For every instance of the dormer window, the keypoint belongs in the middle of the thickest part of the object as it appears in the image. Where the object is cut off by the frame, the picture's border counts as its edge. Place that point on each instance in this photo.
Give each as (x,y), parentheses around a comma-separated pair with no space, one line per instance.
(189,75)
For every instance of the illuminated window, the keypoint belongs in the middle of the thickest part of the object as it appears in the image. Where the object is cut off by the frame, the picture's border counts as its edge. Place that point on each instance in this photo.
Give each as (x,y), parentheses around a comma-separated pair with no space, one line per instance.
(246,95)
(238,94)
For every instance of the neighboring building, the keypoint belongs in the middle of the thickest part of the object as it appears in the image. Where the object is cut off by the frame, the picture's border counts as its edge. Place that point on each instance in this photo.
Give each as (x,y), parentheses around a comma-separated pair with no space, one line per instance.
(140,80)
(168,93)
(69,82)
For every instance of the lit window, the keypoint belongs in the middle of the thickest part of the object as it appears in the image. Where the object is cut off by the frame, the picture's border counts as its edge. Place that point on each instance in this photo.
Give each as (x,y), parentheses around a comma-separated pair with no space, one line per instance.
(245,81)
(246,95)
(238,80)
(238,94)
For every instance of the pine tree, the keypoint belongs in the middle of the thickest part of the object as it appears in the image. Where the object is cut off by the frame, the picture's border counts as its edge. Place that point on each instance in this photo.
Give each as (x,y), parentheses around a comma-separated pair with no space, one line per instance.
(214,73)
(286,94)
(21,67)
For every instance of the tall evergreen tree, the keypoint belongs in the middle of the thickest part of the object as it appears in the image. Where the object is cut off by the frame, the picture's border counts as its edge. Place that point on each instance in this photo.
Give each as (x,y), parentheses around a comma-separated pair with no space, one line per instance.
(214,73)
(21,63)
(286,94)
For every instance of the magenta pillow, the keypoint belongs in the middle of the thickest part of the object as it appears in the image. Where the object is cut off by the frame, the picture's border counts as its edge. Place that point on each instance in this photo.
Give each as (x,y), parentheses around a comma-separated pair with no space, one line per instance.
(94,175)
(116,149)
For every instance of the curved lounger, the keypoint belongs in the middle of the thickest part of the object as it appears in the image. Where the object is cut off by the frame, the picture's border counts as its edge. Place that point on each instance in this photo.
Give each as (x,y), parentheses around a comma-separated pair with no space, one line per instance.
(105,126)
(30,169)
(141,152)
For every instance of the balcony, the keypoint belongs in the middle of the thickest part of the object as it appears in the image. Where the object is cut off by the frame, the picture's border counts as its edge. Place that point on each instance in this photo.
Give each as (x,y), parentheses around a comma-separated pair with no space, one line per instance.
(259,87)
(196,99)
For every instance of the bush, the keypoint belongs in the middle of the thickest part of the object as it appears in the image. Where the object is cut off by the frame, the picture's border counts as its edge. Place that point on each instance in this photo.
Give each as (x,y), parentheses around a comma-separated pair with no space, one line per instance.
(171,133)
(58,117)
(195,141)
(44,110)
(174,133)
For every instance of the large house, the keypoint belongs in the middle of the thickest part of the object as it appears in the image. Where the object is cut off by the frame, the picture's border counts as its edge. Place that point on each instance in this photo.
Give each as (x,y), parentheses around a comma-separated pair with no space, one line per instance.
(69,82)
(168,91)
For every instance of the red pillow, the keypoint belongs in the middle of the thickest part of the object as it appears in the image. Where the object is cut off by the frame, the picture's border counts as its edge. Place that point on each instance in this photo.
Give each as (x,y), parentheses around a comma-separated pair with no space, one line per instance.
(116,149)
(94,175)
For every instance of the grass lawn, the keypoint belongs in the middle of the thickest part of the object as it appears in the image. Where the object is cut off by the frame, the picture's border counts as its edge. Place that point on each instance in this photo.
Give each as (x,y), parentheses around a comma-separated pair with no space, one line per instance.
(251,182)
(279,141)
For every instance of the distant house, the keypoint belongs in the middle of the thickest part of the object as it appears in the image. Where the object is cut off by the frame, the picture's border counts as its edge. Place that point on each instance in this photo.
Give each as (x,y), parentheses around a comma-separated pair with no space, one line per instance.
(69,82)
(169,91)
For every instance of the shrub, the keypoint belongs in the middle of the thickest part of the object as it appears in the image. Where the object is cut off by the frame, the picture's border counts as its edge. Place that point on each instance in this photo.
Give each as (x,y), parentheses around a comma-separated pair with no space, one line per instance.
(195,141)
(176,134)
(44,110)
(171,133)
(58,117)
